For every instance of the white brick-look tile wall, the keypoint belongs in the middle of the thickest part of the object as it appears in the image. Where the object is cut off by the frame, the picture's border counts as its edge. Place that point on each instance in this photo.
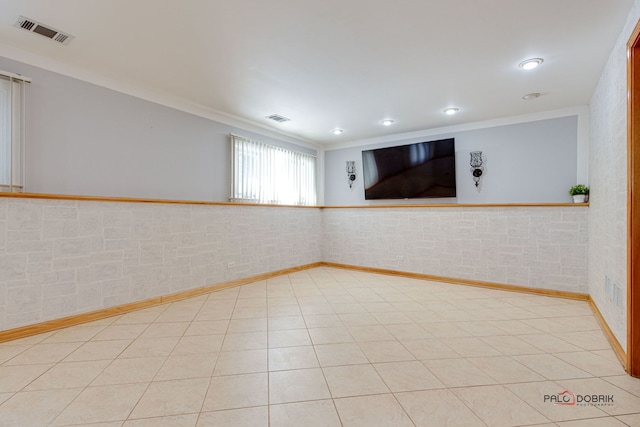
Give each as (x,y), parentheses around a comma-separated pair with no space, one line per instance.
(59,257)
(539,247)
(608,182)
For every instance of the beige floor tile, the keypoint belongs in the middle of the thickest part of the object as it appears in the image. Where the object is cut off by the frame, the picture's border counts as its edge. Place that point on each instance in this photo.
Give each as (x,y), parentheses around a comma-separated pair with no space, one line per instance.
(445,329)
(249,313)
(198,344)
(347,307)
(408,331)
(43,353)
(630,420)
(241,362)
(340,354)
(385,351)
(322,320)
(382,410)
(368,333)
(358,319)
(407,376)
(100,404)
(98,350)
(150,347)
(207,327)
(319,413)
(354,380)
(245,417)
(437,408)
(458,372)
(187,366)
(120,332)
(623,402)
(589,340)
(510,345)
(592,363)
(9,351)
(533,394)
(497,406)
(279,301)
(505,370)
(286,322)
(284,310)
(245,341)
(593,422)
(214,314)
(148,315)
(171,398)
(331,335)
(237,391)
(548,343)
(551,367)
(292,358)
(15,378)
(429,349)
(514,327)
(470,347)
(175,314)
(297,385)
(35,408)
(160,330)
(74,334)
(289,338)
(188,420)
(252,302)
(626,383)
(240,326)
(69,375)
(130,370)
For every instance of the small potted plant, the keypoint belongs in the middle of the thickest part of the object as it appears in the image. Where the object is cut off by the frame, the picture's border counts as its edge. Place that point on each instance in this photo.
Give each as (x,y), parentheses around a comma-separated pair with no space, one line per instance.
(579,193)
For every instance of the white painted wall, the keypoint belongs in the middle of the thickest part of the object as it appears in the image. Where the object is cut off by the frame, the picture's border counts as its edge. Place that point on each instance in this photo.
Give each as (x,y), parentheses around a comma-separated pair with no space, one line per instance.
(84,139)
(608,179)
(534,161)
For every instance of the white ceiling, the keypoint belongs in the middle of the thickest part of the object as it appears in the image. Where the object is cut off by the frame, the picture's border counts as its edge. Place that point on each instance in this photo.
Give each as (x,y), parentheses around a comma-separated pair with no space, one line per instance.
(329,64)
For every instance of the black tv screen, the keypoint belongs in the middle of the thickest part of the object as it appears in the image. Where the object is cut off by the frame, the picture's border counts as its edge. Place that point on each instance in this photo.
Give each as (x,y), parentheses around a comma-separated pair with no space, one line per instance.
(420,170)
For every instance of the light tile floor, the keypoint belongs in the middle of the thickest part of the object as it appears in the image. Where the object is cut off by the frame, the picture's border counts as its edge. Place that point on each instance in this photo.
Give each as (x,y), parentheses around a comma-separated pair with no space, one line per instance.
(323,347)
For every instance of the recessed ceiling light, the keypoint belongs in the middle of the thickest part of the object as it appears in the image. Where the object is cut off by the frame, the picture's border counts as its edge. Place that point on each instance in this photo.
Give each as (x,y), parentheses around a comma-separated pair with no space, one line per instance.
(530,96)
(451,110)
(388,122)
(530,64)
(337,131)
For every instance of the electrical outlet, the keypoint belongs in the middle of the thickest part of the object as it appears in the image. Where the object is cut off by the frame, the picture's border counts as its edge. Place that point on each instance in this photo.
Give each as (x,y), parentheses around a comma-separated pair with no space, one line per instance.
(617,295)
(231,264)
(399,258)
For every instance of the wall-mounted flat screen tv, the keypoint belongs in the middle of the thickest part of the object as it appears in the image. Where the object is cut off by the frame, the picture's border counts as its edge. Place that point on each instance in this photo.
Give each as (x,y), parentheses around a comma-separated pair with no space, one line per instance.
(420,170)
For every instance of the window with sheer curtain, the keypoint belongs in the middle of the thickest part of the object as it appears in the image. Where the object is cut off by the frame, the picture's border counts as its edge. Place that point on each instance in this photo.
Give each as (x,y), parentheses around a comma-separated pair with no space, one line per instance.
(263,173)
(12,101)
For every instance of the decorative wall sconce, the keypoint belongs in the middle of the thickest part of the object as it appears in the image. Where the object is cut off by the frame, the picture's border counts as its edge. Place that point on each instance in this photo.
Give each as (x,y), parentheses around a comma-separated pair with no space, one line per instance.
(351,172)
(477,168)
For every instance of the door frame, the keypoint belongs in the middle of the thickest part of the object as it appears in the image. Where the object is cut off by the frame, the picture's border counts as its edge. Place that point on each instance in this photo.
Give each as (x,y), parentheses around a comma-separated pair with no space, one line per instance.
(633,203)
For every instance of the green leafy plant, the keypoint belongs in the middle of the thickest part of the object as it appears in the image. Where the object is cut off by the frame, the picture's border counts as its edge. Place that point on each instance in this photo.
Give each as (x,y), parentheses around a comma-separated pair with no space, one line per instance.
(579,189)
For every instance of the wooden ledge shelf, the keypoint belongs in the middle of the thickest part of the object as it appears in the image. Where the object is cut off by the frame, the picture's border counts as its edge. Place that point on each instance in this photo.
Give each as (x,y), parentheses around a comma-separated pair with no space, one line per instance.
(202,202)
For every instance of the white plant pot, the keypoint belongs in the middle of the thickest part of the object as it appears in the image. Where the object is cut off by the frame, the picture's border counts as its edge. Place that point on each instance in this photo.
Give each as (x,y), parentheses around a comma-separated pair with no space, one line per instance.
(579,198)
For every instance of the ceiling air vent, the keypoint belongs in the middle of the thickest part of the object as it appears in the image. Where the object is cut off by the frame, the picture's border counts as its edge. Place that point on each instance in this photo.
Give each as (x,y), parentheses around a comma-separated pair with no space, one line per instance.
(43,30)
(278,118)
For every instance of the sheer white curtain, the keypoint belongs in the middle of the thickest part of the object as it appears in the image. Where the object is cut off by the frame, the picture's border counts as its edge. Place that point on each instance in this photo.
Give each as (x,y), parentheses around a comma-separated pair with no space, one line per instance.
(12,100)
(263,173)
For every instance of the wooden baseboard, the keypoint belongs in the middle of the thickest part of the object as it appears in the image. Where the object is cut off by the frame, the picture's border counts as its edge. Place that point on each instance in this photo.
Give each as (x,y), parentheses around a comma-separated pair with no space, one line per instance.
(467,282)
(77,319)
(613,341)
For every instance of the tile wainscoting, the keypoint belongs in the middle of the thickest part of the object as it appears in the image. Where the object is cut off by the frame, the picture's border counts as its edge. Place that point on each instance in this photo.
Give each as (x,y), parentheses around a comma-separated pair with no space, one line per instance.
(543,247)
(64,257)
